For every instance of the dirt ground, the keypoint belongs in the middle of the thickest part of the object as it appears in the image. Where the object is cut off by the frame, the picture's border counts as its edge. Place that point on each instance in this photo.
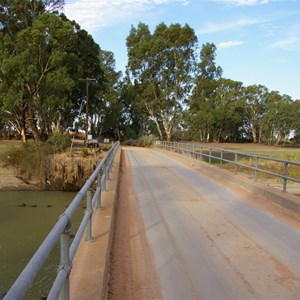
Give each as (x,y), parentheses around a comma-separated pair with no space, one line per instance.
(131,277)
(10,181)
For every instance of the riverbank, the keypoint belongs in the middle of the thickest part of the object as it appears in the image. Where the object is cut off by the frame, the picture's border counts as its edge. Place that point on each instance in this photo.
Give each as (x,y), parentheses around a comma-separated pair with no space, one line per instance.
(63,172)
(10,181)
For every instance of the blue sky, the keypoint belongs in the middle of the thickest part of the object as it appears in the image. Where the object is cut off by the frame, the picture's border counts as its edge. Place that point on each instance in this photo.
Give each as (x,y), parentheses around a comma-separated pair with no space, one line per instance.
(258,41)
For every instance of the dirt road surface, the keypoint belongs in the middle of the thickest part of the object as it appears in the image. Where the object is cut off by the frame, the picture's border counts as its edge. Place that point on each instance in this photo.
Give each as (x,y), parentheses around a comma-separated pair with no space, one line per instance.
(180,234)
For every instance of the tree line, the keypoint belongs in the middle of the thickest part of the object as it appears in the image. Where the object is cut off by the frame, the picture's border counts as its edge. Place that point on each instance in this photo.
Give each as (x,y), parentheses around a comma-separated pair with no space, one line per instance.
(172,88)
(185,96)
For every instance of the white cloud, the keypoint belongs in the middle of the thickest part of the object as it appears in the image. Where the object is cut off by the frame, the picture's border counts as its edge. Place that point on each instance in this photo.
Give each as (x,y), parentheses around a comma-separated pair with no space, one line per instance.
(243,2)
(291,40)
(215,27)
(94,14)
(290,44)
(229,44)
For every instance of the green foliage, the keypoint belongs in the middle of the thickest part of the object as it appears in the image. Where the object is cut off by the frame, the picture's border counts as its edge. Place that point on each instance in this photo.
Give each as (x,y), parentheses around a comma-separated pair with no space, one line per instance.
(43,57)
(58,142)
(30,159)
(161,66)
(142,141)
(130,142)
(130,134)
(84,152)
(146,141)
(106,147)
(36,60)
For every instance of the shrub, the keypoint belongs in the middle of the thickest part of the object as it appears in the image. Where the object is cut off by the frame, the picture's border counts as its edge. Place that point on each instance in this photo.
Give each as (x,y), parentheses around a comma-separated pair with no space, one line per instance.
(106,147)
(30,159)
(58,142)
(84,152)
(146,140)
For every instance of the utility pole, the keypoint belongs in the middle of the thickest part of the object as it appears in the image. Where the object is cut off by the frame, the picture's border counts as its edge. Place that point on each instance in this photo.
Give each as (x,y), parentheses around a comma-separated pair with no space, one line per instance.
(87,81)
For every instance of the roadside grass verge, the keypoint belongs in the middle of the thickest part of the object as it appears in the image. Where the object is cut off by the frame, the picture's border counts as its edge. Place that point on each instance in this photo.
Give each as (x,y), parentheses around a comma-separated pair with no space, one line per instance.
(288,154)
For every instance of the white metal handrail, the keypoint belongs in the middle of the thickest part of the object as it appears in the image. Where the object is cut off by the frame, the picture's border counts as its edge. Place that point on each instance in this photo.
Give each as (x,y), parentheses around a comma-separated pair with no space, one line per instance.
(196,150)
(61,230)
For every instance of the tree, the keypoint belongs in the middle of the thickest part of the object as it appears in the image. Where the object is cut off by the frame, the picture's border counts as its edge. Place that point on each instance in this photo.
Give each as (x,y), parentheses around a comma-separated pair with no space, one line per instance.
(43,57)
(281,119)
(201,104)
(162,64)
(227,108)
(106,107)
(134,114)
(256,108)
(40,56)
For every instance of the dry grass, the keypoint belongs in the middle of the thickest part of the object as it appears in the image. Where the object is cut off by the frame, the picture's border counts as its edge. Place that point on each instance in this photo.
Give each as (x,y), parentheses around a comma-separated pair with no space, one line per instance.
(281,153)
(66,171)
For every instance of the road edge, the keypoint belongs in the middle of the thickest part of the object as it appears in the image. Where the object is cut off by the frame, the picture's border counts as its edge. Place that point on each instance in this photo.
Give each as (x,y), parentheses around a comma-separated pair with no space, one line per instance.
(283,199)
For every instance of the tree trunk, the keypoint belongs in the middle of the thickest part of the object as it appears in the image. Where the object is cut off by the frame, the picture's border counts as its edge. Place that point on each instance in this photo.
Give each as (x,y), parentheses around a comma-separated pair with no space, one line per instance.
(23,135)
(158,129)
(253,132)
(150,111)
(33,127)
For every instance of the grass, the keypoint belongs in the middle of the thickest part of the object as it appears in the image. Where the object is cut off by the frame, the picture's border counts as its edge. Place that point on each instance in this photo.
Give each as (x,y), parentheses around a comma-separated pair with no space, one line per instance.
(6,145)
(282,153)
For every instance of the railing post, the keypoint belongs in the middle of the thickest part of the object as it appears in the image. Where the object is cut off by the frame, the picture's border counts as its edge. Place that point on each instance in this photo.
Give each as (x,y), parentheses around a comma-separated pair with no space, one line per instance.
(201,154)
(89,208)
(235,163)
(285,173)
(98,206)
(221,160)
(194,154)
(209,158)
(65,260)
(105,174)
(256,167)
(107,168)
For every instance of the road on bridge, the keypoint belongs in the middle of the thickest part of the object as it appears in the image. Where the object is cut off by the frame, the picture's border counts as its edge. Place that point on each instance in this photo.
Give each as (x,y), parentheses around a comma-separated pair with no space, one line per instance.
(181,234)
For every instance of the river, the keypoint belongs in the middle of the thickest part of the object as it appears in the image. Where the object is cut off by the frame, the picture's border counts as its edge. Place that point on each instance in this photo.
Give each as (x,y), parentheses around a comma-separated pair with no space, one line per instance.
(25,220)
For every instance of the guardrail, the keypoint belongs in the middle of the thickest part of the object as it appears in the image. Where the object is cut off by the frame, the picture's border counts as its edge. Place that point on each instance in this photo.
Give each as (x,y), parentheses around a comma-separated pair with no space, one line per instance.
(205,152)
(61,230)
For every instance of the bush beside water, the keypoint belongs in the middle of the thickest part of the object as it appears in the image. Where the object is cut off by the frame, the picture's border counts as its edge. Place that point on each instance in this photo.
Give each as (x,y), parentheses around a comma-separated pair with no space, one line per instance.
(49,165)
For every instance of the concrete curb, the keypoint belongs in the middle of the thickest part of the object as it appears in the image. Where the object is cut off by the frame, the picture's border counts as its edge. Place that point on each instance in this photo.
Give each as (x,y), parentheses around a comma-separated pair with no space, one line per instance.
(106,277)
(285,200)
(90,272)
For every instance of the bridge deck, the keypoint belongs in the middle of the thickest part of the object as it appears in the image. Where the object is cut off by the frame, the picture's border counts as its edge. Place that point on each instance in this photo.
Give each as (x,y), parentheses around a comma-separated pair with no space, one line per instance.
(183,233)
(209,239)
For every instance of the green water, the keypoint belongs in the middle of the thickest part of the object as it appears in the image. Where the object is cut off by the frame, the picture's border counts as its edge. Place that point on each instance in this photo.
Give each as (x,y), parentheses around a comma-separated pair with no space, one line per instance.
(25,220)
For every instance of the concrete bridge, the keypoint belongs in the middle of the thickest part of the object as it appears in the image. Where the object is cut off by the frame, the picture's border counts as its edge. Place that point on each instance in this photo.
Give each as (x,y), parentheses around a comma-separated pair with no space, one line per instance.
(175,228)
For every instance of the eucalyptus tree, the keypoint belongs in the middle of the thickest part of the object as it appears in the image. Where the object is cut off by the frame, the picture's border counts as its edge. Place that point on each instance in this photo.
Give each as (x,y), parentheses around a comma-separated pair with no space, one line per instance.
(162,64)
(201,105)
(227,109)
(106,108)
(281,119)
(134,114)
(34,73)
(43,56)
(256,103)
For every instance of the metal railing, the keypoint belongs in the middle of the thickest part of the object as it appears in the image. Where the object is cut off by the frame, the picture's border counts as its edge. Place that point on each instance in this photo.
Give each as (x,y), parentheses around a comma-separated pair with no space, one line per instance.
(61,230)
(207,153)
